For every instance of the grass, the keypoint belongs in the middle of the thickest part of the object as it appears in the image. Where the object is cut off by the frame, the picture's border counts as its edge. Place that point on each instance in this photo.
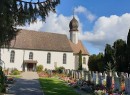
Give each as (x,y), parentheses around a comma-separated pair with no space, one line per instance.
(54,86)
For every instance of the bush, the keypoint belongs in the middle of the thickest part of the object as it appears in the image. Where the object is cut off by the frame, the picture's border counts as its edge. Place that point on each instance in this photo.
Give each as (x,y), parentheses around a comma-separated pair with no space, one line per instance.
(39,68)
(60,69)
(15,72)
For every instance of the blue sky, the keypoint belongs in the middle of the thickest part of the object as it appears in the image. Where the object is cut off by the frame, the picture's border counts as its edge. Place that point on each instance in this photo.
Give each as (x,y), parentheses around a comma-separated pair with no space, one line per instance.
(100,21)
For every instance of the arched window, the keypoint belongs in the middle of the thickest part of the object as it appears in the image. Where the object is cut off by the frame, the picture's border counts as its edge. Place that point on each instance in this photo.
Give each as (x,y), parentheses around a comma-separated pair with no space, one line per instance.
(64,58)
(30,55)
(84,60)
(12,56)
(49,58)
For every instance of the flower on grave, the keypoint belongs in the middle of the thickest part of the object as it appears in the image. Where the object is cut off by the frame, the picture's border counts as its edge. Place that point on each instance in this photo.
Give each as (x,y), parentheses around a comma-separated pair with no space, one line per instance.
(104,82)
(99,92)
(122,86)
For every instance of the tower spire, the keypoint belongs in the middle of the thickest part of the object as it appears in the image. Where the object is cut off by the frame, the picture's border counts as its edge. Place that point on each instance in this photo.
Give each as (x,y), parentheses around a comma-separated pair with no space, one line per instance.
(73,30)
(73,13)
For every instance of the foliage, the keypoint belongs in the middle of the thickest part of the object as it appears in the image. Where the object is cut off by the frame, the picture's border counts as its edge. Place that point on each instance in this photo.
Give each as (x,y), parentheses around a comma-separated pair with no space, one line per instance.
(109,53)
(96,62)
(19,12)
(2,80)
(80,60)
(128,51)
(110,68)
(15,72)
(39,68)
(116,55)
(59,69)
(120,55)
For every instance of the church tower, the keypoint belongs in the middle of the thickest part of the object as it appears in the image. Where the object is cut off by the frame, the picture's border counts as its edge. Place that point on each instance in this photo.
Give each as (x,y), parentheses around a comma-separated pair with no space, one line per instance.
(74,30)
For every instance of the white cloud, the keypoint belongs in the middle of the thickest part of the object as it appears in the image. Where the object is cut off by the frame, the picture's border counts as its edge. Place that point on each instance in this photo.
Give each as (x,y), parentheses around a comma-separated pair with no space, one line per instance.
(80,9)
(54,23)
(107,30)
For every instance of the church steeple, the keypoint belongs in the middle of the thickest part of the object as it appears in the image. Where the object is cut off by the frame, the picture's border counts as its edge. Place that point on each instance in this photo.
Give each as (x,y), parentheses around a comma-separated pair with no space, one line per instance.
(73,25)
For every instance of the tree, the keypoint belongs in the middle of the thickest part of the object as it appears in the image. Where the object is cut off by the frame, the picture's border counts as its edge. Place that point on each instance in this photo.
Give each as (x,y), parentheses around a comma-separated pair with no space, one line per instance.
(128,51)
(80,60)
(19,12)
(96,62)
(100,62)
(120,55)
(92,63)
(109,54)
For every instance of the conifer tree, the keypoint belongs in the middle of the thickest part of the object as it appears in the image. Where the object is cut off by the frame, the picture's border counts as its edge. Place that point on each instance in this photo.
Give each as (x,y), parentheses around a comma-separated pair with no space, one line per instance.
(128,51)
(80,60)
(19,12)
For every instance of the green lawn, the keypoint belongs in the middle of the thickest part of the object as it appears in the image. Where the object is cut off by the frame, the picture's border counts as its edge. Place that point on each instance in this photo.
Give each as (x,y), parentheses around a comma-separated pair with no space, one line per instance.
(54,86)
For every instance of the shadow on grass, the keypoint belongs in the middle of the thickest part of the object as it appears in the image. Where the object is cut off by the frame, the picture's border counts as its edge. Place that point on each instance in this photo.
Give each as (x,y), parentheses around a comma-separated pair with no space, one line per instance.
(25,87)
(54,86)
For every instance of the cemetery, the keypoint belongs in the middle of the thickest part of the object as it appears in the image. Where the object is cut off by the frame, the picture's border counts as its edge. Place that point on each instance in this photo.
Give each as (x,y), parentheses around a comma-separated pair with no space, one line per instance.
(94,83)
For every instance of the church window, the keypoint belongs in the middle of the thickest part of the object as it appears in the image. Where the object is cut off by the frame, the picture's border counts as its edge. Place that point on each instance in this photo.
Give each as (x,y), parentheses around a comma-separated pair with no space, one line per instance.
(12,56)
(64,58)
(49,58)
(84,60)
(30,55)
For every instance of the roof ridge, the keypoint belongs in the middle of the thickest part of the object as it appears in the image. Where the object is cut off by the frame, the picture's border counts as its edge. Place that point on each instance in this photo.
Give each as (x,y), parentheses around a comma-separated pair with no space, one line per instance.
(41,32)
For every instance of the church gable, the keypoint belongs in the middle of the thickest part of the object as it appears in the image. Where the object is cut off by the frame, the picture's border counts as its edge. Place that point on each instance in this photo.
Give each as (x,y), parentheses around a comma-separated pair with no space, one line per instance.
(77,47)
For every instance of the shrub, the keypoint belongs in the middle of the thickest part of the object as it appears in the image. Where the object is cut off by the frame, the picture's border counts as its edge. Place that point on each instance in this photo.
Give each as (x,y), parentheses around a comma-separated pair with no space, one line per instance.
(59,69)
(39,68)
(15,72)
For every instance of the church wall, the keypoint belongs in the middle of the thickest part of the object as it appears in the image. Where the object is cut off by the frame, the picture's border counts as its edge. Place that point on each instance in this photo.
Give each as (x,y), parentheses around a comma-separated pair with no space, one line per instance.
(5,56)
(85,66)
(56,59)
(40,56)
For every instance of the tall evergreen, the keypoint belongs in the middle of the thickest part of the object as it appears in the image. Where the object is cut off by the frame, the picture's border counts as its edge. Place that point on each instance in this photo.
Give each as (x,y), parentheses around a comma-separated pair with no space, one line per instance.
(80,60)
(109,54)
(120,55)
(20,12)
(128,50)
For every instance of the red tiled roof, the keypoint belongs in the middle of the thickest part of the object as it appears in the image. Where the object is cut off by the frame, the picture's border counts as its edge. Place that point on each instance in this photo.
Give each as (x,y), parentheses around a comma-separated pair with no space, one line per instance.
(77,47)
(28,39)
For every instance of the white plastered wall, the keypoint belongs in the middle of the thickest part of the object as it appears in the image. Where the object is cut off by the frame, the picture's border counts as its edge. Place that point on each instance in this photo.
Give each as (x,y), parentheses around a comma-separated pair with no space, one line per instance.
(40,56)
(74,37)
(84,66)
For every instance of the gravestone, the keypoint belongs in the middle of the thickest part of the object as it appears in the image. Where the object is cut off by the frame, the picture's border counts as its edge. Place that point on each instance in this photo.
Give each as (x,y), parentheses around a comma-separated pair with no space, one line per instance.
(109,81)
(94,77)
(74,74)
(117,82)
(100,78)
(127,84)
(97,78)
(80,74)
(104,76)
(86,76)
(89,76)
(83,74)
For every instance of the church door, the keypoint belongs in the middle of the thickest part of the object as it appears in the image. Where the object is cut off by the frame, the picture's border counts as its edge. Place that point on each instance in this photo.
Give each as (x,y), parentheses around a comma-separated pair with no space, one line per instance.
(29,67)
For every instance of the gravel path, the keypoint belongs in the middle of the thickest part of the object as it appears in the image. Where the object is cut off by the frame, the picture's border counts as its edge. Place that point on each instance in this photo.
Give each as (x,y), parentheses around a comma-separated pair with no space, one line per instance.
(28,84)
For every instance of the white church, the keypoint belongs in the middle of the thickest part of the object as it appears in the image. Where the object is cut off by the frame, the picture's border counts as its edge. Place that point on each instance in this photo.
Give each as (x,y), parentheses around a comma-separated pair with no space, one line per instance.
(33,48)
